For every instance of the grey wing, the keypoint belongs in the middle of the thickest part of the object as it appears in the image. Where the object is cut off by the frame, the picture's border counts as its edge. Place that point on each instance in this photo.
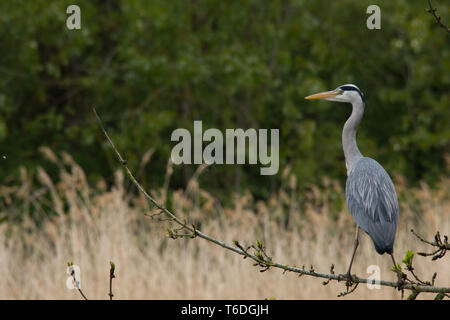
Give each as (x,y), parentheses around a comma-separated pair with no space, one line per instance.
(372,201)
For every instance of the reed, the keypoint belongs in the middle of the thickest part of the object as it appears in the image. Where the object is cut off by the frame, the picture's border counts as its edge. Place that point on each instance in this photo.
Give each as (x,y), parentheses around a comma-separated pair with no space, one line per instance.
(53,222)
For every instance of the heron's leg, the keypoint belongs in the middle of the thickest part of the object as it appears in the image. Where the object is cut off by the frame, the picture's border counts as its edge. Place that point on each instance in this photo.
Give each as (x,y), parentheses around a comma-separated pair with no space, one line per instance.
(400,280)
(354,251)
(393,260)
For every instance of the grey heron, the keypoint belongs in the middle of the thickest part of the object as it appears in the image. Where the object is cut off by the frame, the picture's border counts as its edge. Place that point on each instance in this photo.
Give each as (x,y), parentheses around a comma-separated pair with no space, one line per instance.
(370,193)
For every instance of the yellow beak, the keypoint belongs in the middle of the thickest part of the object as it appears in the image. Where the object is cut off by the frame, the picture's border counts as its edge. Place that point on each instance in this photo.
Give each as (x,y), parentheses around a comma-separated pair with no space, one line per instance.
(323,95)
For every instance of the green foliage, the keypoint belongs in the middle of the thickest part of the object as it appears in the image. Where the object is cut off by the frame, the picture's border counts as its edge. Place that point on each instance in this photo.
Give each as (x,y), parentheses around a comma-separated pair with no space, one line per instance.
(113,267)
(413,295)
(259,244)
(408,259)
(150,67)
(396,269)
(439,296)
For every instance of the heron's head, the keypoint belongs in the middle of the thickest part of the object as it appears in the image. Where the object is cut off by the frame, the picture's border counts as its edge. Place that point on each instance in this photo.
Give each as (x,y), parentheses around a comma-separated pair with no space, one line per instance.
(346,93)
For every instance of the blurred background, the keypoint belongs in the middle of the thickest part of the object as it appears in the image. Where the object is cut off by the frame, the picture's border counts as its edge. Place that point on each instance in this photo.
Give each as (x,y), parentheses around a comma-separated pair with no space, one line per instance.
(150,67)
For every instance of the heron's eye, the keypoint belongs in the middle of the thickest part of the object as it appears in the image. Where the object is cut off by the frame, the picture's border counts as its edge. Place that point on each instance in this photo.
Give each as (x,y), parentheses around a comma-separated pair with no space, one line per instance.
(340,91)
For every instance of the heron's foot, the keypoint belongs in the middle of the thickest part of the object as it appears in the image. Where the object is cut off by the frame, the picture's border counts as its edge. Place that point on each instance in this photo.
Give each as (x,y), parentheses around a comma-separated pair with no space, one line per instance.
(347,277)
(401,280)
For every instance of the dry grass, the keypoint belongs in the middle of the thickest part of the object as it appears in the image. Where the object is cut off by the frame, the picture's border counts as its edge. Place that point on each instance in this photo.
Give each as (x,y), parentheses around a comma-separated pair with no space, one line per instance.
(93,225)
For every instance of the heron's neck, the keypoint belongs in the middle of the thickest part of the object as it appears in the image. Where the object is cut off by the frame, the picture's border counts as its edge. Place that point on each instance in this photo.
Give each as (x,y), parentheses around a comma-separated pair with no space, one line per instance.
(351,151)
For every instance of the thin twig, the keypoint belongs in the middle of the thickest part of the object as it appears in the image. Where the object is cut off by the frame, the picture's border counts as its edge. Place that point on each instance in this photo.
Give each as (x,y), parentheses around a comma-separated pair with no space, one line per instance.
(438,18)
(259,257)
(111,277)
(442,246)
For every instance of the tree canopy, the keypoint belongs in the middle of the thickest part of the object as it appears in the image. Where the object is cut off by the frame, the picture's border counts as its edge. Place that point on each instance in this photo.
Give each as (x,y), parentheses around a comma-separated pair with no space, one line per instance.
(150,67)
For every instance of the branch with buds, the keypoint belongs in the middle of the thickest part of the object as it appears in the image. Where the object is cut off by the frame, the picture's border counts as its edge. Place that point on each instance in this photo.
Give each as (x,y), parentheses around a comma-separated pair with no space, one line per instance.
(438,18)
(111,277)
(257,252)
(441,246)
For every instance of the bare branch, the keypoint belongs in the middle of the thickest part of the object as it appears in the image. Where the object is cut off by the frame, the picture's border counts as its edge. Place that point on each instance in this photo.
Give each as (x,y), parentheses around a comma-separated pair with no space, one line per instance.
(257,252)
(438,18)
(111,277)
(442,246)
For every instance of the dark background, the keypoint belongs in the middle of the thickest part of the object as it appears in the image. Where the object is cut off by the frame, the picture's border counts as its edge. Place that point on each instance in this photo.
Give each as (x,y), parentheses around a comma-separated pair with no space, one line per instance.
(150,67)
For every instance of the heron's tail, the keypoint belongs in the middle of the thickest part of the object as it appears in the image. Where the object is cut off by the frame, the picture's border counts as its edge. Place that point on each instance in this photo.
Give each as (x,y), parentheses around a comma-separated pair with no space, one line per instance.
(382,234)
